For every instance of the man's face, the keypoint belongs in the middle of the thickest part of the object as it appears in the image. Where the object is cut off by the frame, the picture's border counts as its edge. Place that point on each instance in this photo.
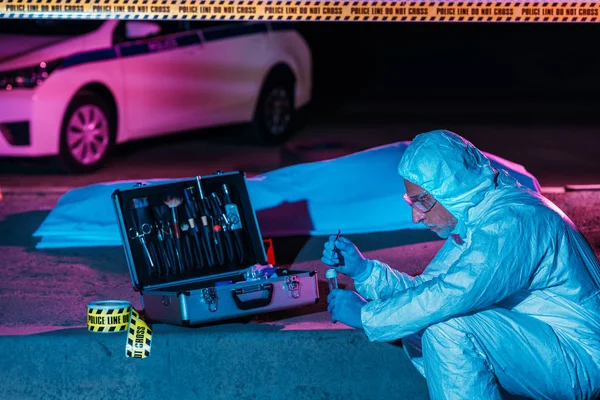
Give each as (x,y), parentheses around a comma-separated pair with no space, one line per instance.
(438,219)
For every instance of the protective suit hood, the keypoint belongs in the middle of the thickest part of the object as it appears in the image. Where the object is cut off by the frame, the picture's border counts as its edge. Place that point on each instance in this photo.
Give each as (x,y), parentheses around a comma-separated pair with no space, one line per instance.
(449,167)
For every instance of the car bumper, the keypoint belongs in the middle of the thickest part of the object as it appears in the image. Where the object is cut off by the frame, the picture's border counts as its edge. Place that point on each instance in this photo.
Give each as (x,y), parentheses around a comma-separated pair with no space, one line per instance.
(20,133)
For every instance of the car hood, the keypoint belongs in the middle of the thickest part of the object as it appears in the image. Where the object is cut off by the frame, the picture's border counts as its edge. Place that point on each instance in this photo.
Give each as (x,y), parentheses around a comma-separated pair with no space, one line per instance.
(12,46)
(59,47)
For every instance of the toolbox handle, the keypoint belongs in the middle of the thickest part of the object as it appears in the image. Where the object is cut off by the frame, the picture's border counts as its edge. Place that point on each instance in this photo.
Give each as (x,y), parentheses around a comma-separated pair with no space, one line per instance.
(256,303)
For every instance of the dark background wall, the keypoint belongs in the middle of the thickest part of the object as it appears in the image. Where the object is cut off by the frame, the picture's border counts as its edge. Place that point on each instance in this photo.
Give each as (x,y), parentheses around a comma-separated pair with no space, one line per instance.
(425,62)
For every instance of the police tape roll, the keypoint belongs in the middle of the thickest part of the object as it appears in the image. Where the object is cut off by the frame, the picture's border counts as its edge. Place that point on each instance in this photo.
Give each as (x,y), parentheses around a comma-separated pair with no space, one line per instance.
(110,316)
(139,337)
(308,10)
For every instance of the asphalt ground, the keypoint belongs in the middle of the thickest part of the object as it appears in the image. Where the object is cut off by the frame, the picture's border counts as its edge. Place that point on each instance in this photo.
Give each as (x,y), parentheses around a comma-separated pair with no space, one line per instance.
(44,290)
(559,148)
(298,352)
(43,293)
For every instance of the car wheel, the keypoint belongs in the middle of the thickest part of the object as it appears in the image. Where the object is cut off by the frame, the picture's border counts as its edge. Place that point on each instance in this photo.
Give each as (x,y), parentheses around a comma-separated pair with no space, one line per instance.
(87,136)
(275,116)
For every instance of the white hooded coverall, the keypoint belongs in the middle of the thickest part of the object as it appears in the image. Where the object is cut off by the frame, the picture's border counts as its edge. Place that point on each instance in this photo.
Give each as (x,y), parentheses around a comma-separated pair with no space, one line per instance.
(515,305)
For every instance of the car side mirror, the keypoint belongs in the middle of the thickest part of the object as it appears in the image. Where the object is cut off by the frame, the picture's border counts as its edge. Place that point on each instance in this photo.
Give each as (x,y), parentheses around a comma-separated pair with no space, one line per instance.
(141,29)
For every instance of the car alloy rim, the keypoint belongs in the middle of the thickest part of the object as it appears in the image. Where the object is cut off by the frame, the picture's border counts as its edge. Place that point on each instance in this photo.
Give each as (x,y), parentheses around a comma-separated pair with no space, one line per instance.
(88,134)
(277,113)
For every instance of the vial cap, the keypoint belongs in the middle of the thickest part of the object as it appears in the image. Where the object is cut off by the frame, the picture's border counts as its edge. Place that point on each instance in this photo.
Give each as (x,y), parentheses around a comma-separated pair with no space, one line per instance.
(331,273)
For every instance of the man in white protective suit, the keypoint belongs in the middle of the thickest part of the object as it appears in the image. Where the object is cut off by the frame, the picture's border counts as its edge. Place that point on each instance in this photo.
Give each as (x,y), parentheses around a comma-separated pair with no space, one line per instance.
(511,300)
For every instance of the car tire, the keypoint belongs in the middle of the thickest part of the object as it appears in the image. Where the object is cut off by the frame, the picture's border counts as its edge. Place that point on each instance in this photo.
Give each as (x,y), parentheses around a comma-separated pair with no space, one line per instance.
(275,115)
(88,134)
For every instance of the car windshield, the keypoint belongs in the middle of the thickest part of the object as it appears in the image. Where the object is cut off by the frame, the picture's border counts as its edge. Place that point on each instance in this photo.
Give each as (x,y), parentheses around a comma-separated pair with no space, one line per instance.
(48,27)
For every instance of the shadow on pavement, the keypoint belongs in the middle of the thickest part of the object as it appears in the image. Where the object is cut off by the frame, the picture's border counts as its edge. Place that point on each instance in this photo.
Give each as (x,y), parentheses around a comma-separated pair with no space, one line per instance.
(293,216)
(44,166)
(101,272)
(310,248)
(17,229)
(109,259)
(26,166)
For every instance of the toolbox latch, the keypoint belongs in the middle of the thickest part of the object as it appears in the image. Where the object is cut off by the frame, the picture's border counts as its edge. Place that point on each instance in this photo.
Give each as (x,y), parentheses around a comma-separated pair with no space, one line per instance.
(209,296)
(292,284)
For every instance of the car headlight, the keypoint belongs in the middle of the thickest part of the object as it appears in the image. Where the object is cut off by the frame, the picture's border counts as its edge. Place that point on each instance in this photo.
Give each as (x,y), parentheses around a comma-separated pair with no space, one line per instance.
(28,77)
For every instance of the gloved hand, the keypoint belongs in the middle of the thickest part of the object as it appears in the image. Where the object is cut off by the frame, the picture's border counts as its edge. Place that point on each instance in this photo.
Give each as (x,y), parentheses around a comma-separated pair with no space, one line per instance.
(345,306)
(352,262)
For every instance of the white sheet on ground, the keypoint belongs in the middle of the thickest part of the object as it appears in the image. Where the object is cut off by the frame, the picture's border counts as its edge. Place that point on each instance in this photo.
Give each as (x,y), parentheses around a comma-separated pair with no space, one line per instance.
(358,193)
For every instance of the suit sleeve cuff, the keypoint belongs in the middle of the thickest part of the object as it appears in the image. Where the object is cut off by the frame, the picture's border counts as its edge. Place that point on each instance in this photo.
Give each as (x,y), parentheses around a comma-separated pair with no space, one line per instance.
(365,316)
(363,276)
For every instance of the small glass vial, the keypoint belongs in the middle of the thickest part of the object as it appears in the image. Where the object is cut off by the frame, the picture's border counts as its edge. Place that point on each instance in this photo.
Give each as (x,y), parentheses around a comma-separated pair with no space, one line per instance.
(331,275)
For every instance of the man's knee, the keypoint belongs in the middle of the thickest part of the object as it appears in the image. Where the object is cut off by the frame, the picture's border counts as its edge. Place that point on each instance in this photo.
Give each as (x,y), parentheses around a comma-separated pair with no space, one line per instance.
(456,338)
(450,330)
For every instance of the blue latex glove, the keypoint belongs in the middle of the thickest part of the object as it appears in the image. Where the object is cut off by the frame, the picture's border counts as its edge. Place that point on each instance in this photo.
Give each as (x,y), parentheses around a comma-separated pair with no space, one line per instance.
(345,306)
(351,262)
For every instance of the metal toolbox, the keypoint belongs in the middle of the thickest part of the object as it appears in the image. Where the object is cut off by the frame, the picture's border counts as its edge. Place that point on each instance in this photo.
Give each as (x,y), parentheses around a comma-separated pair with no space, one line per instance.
(195,252)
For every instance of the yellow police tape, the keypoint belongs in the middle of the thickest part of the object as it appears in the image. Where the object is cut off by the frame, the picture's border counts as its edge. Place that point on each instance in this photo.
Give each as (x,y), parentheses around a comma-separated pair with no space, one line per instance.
(117,316)
(431,11)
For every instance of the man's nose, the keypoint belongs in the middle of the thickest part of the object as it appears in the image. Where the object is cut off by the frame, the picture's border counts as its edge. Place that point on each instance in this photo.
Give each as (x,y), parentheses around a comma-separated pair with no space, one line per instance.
(417,216)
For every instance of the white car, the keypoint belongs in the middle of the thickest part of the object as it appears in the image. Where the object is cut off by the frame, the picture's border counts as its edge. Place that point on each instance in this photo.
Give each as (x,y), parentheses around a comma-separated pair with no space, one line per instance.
(77,88)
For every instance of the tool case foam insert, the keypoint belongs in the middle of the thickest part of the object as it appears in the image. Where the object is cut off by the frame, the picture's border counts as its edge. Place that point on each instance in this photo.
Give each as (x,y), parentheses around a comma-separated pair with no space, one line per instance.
(190,246)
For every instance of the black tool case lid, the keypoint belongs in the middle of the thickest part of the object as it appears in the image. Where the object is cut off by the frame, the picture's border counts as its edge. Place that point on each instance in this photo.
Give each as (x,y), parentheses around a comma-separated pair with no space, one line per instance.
(136,262)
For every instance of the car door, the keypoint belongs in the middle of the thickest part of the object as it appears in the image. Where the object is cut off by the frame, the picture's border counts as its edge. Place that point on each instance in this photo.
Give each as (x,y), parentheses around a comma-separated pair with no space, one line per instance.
(159,66)
(231,64)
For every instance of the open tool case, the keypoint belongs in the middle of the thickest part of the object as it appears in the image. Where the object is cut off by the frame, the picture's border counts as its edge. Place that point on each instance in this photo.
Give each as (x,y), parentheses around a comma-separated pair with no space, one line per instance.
(195,252)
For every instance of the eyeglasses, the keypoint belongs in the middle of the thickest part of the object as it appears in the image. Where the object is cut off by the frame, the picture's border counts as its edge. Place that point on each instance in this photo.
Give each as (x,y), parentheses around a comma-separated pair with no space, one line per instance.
(423,202)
